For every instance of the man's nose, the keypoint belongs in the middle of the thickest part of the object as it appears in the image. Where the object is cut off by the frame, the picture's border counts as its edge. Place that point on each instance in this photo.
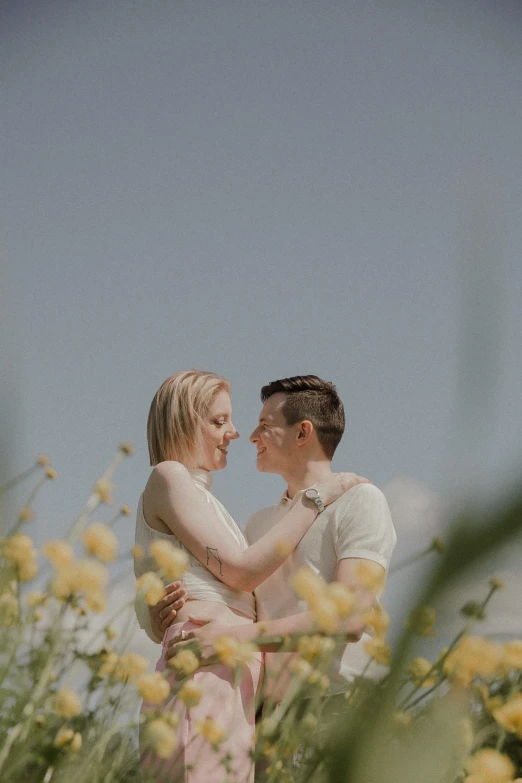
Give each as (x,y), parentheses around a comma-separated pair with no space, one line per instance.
(254,436)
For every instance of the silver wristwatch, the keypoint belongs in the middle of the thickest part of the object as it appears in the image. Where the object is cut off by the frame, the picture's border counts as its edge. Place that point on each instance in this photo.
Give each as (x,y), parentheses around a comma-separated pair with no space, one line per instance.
(313,495)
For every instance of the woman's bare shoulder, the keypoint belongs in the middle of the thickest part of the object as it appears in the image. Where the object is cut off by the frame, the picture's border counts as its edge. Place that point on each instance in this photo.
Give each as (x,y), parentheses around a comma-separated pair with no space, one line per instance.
(163,474)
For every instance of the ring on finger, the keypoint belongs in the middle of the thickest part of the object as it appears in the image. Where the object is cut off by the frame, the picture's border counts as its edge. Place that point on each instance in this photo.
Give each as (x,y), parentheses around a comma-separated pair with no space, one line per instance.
(183,635)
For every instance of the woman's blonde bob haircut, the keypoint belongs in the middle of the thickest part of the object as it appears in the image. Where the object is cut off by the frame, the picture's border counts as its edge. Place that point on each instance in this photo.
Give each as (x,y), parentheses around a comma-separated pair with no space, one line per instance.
(176,414)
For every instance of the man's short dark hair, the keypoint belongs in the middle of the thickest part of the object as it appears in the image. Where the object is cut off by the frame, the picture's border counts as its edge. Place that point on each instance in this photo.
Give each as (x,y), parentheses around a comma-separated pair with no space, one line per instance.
(311,399)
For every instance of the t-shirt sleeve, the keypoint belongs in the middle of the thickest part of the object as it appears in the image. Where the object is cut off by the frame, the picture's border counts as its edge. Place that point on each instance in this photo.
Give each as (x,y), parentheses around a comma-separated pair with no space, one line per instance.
(365,528)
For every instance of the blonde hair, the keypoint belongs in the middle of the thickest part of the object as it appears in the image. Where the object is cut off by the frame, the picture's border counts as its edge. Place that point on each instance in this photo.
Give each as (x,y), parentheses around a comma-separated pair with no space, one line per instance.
(176,414)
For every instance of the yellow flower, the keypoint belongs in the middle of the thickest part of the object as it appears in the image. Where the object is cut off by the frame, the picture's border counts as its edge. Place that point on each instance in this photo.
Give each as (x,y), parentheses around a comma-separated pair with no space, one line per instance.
(76,744)
(150,586)
(19,550)
(308,585)
(43,460)
(343,598)
(419,668)
(232,652)
(185,661)
(210,730)
(130,667)
(161,737)
(172,560)
(109,661)
(25,514)
(378,619)
(138,552)
(80,576)
(472,657)
(421,621)
(36,598)
(126,448)
(66,703)
(103,489)
(325,614)
(510,715)
(321,680)
(495,582)
(95,602)
(371,576)
(378,650)
(100,541)
(64,737)
(58,552)
(283,548)
(312,647)
(125,510)
(8,608)
(490,766)
(190,694)
(51,474)
(153,687)
(512,654)
(111,632)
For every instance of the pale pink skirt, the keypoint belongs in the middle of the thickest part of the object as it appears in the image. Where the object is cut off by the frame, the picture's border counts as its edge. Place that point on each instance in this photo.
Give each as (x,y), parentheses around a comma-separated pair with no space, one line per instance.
(229,698)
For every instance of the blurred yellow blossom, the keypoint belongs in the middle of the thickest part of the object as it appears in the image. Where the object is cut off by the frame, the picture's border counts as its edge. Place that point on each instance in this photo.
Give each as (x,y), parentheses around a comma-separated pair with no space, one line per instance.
(138,552)
(472,656)
(130,666)
(150,586)
(25,514)
(84,576)
(489,766)
(127,449)
(110,632)
(104,489)
(309,721)
(343,598)
(312,647)
(21,553)
(190,694)
(65,736)
(378,650)
(185,661)
(283,548)
(495,583)
(308,585)
(161,737)
(419,668)
(153,687)
(421,621)
(321,680)
(371,576)
(125,510)
(402,719)
(232,652)
(51,474)
(510,715)
(378,619)
(36,598)
(66,703)
(172,560)
(96,602)
(300,668)
(58,552)
(43,460)
(512,654)
(100,541)
(325,614)
(210,730)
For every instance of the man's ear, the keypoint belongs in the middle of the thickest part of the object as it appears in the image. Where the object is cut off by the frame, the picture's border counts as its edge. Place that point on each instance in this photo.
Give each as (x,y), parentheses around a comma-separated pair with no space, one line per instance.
(304,432)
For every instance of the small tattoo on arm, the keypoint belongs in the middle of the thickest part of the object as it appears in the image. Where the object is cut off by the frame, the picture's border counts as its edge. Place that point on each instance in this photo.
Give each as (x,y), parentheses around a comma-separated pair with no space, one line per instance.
(215,554)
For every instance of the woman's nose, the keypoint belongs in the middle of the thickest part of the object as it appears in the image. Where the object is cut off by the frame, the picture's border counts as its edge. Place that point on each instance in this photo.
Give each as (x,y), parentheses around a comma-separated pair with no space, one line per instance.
(232,434)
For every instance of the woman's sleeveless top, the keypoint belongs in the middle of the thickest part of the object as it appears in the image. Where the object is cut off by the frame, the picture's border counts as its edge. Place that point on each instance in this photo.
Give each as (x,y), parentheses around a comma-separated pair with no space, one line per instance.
(199,582)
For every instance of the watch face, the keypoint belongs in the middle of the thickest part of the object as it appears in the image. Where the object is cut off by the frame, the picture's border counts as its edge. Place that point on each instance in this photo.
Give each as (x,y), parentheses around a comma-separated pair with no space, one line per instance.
(312,493)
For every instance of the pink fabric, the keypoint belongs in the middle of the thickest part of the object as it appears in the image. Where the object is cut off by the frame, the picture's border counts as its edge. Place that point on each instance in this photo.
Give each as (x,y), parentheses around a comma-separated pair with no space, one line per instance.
(229,698)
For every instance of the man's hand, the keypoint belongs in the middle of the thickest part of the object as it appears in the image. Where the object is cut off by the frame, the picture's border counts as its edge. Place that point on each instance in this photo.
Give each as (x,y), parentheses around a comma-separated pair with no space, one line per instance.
(165,611)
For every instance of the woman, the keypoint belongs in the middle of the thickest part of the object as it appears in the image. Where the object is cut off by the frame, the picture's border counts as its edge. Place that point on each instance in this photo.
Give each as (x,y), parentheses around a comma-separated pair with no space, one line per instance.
(189,430)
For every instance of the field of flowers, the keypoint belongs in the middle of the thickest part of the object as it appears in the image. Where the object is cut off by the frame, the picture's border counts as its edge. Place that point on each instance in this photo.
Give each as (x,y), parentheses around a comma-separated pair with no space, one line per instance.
(457,717)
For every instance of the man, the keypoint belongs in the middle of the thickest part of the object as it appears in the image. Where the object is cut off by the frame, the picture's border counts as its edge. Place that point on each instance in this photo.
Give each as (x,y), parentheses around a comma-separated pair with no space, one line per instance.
(300,426)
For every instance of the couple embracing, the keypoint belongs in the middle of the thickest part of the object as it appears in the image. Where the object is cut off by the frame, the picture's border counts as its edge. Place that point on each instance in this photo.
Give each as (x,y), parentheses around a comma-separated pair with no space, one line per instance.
(240,585)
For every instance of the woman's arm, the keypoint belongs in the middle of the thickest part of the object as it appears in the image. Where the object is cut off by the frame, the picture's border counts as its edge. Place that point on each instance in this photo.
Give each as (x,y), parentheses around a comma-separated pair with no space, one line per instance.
(173,498)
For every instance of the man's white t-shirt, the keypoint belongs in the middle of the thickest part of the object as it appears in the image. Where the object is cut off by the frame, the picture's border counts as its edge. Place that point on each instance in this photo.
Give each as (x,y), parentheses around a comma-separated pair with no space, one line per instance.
(358,525)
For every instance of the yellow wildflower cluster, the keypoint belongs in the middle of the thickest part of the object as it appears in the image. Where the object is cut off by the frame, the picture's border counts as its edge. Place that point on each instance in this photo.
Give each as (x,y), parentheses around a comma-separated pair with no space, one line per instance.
(510,715)
(100,541)
(512,655)
(171,560)
(232,652)
(489,766)
(9,611)
(68,739)
(329,603)
(185,661)
(59,552)
(473,656)
(161,737)
(66,703)
(150,586)
(153,687)
(377,649)
(210,730)
(126,668)
(419,669)
(21,553)
(314,647)
(190,694)
(84,577)
(104,489)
